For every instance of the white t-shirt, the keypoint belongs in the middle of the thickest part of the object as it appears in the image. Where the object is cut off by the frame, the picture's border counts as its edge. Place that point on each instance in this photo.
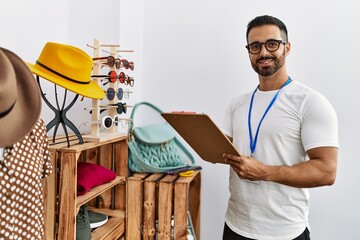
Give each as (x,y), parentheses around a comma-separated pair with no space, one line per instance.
(299,120)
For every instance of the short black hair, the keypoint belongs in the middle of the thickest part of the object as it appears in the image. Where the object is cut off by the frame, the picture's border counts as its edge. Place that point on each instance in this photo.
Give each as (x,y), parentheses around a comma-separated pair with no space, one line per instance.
(268,20)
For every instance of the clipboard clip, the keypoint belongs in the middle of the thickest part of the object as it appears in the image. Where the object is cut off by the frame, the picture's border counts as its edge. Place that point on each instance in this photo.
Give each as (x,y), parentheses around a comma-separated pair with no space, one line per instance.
(183,112)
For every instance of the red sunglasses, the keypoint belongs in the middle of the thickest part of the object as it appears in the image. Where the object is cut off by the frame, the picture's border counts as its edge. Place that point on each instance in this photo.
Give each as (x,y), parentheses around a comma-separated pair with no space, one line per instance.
(113,76)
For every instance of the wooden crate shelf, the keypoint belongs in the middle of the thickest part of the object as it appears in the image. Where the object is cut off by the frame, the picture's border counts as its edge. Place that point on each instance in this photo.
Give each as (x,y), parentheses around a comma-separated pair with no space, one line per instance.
(108,198)
(152,200)
(98,190)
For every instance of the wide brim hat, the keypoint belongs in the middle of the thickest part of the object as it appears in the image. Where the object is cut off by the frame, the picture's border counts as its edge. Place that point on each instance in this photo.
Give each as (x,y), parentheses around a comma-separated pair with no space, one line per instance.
(68,67)
(20,99)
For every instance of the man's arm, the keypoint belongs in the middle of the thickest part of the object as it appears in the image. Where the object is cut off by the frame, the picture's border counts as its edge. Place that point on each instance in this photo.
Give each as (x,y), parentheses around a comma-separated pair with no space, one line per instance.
(320,170)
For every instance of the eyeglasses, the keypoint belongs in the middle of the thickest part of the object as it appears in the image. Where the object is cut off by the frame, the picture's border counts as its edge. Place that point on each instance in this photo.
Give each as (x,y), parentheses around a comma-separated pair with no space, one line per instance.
(110,61)
(126,64)
(110,93)
(271,45)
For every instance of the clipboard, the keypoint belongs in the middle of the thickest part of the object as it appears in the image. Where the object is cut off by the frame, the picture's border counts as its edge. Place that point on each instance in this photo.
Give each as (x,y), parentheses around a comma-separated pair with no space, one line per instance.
(202,134)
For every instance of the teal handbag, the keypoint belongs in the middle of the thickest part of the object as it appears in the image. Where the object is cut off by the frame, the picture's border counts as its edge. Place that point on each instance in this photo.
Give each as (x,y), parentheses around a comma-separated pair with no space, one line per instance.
(155,148)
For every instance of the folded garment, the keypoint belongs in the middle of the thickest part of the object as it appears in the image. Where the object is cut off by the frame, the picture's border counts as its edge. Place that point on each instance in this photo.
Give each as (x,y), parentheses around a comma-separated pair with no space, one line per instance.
(90,175)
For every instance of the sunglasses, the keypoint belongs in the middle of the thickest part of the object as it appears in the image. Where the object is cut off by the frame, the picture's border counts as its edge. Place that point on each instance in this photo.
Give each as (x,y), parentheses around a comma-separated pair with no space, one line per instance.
(126,64)
(110,93)
(110,61)
(120,107)
(108,122)
(113,76)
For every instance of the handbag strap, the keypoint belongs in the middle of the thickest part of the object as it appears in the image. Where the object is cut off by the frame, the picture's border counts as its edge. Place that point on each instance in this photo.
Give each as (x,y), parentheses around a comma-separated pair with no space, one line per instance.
(136,106)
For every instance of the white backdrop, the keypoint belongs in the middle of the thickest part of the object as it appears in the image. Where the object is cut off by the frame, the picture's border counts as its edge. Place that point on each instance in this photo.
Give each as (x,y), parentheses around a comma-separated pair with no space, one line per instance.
(190,55)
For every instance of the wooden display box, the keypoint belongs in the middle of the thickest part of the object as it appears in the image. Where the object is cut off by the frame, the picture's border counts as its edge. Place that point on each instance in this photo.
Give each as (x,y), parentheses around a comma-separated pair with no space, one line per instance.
(62,204)
(152,200)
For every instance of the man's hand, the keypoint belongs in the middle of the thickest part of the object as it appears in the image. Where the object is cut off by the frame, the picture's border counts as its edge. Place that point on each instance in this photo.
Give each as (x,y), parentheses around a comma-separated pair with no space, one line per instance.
(247,167)
(319,170)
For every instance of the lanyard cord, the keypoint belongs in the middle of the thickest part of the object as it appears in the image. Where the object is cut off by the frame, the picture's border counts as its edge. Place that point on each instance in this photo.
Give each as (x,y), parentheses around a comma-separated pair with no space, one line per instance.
(253,141)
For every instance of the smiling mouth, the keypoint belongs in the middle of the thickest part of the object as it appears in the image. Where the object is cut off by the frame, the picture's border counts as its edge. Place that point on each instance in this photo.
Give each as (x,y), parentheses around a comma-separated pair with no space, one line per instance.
(265,61)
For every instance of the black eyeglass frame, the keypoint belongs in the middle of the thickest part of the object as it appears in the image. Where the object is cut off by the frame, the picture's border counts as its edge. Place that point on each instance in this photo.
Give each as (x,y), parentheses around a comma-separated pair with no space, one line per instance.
(269,41)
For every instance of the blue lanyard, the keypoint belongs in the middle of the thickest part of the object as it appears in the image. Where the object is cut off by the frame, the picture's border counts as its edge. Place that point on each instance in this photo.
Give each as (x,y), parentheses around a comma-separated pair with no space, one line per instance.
(252,140)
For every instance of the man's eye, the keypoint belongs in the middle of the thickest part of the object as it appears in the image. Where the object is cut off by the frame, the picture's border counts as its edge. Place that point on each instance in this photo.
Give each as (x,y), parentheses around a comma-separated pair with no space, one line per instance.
(255,46)
(271,44)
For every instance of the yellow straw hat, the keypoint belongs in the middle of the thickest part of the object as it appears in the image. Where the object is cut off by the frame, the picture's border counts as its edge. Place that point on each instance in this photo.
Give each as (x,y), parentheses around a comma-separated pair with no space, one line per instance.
(68,67)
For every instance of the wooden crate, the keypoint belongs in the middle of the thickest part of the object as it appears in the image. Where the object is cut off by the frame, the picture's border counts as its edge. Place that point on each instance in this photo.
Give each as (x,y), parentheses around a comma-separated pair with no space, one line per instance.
(153,199)
(63,204)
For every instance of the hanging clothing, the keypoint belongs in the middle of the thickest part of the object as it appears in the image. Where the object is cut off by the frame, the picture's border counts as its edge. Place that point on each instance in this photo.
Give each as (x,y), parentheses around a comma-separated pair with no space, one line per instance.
(22,167)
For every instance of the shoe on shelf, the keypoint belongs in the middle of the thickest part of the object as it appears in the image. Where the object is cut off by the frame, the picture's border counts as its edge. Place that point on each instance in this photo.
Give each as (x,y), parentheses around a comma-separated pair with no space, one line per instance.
(97,219)
(83,230)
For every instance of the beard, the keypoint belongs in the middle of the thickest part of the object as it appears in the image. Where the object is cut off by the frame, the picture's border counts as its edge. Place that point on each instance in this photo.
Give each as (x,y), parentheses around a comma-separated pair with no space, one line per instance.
(269,70)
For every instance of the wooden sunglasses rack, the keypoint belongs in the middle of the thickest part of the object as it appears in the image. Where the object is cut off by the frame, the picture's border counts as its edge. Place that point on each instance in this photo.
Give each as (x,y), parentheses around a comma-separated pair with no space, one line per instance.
(96,134)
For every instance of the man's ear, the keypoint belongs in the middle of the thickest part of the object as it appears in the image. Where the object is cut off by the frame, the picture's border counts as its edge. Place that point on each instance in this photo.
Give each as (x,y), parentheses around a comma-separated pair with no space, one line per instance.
(287,48)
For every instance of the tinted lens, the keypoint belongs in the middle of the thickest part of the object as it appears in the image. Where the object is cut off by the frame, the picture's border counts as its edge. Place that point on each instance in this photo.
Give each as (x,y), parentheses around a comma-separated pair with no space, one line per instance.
(107,122)
(118,63)
(131,66)
(119,108)
(120,93)
(110,61)
(112,76)
(122,77)
(124,108)
(125,63)
(116,120)
(110,94)
(131,81)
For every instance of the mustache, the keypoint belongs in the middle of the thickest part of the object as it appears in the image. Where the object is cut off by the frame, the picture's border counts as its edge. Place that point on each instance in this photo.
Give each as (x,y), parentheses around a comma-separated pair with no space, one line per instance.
(264,58)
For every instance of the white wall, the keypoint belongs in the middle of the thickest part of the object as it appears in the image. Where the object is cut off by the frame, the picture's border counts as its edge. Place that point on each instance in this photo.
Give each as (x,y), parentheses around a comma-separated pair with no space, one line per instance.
(26,26)
(194,59)
(190,55)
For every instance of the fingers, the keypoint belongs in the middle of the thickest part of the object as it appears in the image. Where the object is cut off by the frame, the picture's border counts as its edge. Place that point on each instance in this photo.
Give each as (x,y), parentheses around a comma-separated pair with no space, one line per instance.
(230,157)
(238,164)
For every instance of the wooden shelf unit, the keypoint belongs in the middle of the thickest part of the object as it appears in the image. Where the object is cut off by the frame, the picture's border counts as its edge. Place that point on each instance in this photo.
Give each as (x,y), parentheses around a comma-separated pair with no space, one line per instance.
(109,198)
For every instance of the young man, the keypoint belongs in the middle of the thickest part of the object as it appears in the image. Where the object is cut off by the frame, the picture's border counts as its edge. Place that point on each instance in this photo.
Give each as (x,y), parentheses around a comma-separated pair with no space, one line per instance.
(288,136)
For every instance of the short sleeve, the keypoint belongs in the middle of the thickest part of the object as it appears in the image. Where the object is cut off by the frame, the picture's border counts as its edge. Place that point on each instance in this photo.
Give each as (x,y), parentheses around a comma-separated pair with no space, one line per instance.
(319,127)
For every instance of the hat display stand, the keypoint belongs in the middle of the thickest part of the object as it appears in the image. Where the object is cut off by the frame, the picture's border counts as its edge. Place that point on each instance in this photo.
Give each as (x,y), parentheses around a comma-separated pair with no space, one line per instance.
(111,107)
(60,115)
